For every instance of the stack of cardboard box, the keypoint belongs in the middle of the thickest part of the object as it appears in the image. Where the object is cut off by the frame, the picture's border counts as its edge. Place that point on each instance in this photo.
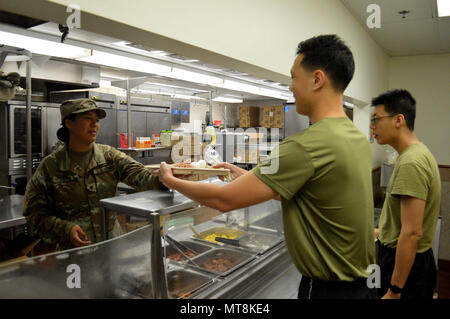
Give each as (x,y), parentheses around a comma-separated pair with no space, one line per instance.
(248,116)
(272,116)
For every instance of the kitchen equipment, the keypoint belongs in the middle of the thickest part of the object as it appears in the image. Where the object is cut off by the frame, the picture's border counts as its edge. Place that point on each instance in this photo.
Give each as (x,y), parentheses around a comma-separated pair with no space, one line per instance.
(180,244)
(177,246)
(184,283)
(234,242)
(173,254)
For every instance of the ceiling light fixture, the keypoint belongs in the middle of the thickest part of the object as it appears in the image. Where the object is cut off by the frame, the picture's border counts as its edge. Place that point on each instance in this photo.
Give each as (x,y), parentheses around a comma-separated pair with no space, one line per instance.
(122,62)
(184,75)
(227,99)
(44,47)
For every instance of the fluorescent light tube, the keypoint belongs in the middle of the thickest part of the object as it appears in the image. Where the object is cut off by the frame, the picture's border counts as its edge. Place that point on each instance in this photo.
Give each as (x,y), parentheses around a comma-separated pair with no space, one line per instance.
(443,7)
(44,47)
(187,97)
(237,86)
(122,62)
(227,99)
(253,89)
(193,77)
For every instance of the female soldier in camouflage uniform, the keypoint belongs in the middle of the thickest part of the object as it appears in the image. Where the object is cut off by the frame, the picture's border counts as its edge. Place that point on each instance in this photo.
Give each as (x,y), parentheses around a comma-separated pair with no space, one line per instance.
(62,198)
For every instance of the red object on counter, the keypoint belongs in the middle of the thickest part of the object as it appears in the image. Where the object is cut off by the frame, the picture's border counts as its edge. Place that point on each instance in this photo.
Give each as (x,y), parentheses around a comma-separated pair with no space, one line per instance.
(124,140)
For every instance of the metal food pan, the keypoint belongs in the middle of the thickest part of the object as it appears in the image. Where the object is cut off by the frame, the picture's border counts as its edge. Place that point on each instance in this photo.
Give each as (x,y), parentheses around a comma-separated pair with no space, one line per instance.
(234,260)
(180,283)
(259,243)
(183,283)
(208,235)
(199,248)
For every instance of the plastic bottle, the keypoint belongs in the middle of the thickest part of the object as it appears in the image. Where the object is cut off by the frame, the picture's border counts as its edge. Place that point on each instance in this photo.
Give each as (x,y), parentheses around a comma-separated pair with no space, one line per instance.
(210,130)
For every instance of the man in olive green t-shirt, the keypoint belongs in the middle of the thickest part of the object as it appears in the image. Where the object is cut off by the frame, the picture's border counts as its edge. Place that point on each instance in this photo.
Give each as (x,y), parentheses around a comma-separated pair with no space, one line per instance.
(326,199)
(322,177)
(411,208)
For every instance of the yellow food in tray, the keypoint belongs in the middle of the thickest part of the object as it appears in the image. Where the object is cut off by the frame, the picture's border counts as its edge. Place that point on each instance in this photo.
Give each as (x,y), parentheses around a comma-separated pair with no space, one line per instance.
(211,234)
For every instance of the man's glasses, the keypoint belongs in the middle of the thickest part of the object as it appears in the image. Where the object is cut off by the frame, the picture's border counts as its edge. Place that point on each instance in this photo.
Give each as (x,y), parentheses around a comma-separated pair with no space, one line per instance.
(374,120)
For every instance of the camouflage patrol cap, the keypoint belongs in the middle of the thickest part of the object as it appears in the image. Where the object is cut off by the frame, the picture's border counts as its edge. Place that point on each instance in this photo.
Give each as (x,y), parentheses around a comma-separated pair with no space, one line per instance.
(78,106)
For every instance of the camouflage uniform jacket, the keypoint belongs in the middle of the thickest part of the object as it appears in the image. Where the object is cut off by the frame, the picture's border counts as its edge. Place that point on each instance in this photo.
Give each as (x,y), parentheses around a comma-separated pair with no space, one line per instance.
(58,196)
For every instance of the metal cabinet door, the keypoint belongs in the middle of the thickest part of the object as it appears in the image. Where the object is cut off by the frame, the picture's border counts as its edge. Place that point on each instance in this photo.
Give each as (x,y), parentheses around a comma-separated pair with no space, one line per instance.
(53,123)
(138,124)
(157,122)
(107,132)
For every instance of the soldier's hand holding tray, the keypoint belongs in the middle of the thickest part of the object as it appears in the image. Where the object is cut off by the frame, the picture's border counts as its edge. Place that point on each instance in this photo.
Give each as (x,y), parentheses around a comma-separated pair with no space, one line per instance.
(78,238)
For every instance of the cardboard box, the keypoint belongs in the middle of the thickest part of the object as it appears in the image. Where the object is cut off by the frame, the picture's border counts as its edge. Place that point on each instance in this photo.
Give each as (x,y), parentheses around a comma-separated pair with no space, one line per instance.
(267,115)
(248,116)
(272,116)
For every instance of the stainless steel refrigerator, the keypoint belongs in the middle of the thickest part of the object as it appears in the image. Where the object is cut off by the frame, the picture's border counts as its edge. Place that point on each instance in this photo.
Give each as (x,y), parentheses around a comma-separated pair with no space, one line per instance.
(293,122)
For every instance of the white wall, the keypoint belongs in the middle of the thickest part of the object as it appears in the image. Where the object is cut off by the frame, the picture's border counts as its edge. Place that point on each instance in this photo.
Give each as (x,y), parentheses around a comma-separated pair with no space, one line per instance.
(427,78)
(264,33)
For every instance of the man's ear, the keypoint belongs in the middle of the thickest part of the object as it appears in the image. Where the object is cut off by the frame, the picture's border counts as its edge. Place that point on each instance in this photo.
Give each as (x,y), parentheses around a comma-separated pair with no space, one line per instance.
(400,120)
(319,79)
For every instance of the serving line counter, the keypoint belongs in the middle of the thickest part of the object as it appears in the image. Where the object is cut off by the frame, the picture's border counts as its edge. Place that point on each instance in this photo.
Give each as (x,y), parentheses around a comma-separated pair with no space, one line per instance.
(185,251)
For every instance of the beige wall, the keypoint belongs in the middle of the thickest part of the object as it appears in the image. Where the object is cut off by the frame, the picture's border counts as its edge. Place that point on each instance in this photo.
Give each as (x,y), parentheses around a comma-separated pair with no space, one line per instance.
(427,77)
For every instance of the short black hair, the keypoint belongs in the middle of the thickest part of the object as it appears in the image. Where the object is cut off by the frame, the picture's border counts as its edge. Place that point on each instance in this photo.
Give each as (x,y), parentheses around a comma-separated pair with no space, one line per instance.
(398,101)
(329,53)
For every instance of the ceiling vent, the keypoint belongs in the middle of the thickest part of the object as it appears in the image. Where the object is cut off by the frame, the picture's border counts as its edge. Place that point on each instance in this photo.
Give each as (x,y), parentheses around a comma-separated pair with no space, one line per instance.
(18,20)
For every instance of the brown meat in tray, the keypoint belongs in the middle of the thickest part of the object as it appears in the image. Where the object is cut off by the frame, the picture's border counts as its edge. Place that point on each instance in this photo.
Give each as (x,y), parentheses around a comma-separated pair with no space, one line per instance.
(222,261)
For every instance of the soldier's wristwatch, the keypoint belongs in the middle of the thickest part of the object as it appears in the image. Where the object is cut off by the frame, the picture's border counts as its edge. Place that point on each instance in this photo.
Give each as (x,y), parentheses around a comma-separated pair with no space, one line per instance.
(395,289)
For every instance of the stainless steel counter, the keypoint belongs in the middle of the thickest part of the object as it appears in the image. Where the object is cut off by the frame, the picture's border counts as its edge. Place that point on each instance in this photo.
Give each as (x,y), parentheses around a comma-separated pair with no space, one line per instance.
(271,275)
(143,204)
(11,211)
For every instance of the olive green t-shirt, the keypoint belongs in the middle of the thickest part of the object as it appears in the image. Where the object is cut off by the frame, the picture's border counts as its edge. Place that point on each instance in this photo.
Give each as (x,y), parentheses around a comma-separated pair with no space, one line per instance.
(415,174)
(323,176)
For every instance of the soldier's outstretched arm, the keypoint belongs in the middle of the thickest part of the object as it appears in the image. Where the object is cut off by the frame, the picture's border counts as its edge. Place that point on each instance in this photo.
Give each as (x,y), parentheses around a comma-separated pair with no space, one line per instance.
(135,174)
(37,210)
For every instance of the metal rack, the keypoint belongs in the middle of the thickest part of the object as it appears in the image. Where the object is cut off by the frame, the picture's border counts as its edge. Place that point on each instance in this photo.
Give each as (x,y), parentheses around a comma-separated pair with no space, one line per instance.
(8,51)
